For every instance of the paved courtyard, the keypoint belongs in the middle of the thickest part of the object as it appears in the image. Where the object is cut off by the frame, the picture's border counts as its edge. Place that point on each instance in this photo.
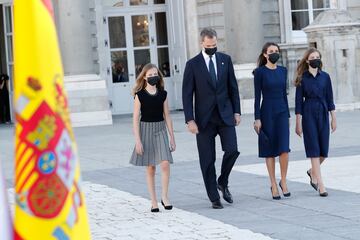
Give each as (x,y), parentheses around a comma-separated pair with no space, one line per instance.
(119,206)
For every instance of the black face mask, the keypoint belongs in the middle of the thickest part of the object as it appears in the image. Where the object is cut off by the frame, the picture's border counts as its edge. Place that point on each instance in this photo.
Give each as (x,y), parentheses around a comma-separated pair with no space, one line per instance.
(210,51)
(274,57)
(153,80)
(315,63)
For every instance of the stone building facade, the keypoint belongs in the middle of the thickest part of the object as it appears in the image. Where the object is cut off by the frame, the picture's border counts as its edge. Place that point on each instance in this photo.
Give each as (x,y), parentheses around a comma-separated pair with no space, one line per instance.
(104,43)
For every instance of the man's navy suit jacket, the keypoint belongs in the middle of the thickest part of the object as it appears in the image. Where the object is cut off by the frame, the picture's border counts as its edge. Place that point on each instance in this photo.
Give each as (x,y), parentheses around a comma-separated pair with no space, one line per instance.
(198,84)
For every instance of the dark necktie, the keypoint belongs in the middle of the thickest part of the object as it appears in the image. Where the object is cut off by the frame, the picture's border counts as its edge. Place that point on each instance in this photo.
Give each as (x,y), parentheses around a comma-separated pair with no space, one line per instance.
(212,71)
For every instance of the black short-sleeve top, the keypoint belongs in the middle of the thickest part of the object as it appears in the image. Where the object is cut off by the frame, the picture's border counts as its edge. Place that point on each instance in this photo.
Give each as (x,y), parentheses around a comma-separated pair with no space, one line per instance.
(152,105)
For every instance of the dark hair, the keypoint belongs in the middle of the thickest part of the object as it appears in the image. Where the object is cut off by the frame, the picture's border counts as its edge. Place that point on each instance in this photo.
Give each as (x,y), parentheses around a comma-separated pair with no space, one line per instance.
(208,32)
(304,66)
(262,59)
(4,77)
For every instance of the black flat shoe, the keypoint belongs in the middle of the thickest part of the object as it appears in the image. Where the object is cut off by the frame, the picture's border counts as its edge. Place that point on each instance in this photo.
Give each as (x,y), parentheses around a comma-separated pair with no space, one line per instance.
(155,209)
(275,197)
(288,194)
(217,204)
(168,207)
(314,185)
(226,193)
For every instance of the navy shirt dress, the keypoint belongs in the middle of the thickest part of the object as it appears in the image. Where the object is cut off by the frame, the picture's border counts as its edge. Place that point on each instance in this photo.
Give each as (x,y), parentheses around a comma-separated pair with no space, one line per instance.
(270,85)
(314,100)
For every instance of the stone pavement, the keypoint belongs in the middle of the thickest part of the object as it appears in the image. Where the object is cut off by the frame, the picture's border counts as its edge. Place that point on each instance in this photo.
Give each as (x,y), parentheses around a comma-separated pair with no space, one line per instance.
(119,207)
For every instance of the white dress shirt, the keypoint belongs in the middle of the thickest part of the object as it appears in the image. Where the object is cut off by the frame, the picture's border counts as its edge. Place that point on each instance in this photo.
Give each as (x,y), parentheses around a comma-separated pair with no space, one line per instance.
(207,60)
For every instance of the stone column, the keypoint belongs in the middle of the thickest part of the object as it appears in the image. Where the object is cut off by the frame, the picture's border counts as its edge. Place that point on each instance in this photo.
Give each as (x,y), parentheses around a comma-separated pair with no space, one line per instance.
(191,28)
(292,57)
(244,29)
(74,29)
(87,92)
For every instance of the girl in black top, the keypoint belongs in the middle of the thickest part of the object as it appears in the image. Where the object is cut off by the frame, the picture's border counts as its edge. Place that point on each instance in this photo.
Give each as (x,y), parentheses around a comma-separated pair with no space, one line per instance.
(4,99)
(151,118)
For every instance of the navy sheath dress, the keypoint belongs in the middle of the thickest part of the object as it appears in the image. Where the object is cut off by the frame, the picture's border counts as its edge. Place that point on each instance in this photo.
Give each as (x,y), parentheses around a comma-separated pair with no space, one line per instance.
(314,100)
(270,85)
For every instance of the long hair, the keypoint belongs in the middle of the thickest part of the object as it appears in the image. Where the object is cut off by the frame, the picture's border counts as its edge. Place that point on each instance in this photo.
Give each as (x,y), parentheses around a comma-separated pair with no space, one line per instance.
(140,83)
(303,66)
(262,59)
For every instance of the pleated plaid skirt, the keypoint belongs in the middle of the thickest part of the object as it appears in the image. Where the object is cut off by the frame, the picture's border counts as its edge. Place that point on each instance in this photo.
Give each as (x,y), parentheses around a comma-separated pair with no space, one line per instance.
(155,143)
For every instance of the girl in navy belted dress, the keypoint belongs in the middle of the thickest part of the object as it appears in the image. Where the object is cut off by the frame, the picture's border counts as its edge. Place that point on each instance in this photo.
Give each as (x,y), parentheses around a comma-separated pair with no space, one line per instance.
(314,100)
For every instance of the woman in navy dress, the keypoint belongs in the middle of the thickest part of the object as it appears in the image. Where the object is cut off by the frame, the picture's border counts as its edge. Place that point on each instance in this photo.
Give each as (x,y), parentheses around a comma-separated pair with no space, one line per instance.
(314,101)
(272,118)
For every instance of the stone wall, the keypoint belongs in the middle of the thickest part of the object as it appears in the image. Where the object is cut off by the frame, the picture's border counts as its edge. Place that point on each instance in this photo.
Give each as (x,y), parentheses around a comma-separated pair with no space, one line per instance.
(87,92)
(271,21)
(211,14)
(354,8)
(88,100)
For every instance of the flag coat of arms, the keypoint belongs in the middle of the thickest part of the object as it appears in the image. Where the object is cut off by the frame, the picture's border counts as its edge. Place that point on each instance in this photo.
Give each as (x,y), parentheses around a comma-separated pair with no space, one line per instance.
(49,200)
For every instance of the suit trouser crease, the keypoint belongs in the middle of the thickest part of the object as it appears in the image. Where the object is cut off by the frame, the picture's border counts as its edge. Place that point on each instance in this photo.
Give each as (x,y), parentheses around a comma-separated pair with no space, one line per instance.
(207,154)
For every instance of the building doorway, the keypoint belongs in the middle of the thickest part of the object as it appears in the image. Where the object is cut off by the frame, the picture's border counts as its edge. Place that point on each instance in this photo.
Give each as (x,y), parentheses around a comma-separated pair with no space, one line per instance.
(139,32)
(6,61)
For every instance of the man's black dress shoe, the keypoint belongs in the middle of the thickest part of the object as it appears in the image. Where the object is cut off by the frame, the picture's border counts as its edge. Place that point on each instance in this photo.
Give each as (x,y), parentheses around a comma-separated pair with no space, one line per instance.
(217,204)
(226,193)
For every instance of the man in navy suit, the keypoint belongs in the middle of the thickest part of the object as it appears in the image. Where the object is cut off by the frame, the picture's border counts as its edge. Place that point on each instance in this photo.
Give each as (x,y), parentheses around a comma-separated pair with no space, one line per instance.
(209,79)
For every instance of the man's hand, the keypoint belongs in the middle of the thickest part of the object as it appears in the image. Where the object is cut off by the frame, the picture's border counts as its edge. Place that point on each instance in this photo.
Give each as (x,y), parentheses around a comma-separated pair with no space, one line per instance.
(237,119)
(192,127)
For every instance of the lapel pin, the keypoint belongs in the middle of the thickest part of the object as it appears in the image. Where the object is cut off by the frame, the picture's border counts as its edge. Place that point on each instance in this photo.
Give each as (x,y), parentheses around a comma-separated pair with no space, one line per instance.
(222,63)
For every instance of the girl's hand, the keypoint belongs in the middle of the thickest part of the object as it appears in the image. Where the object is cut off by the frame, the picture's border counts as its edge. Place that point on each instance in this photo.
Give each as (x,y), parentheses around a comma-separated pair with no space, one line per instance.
(139,148)
(333,125)
(298,129)
(257,126)
(172,144)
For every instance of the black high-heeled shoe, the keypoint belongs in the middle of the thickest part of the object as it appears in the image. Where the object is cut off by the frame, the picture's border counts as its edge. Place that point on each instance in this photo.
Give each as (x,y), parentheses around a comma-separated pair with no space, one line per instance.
(314,185)
(168,207)
(288,194)
(323,194)
(275,197)
(155,209)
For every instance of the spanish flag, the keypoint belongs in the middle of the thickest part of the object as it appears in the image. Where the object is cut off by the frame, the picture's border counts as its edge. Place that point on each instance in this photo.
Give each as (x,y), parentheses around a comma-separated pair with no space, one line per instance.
(49,200)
